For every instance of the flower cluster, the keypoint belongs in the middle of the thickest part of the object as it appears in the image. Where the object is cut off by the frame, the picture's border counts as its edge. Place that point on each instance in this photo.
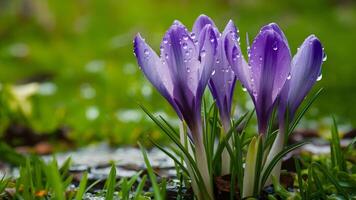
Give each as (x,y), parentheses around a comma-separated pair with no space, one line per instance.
(190,61)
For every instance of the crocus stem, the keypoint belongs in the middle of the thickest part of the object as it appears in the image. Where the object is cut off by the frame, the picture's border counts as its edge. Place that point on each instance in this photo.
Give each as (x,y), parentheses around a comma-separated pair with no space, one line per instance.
(202,164)
(203,168)
(186,144)
(276,148)
(225,157)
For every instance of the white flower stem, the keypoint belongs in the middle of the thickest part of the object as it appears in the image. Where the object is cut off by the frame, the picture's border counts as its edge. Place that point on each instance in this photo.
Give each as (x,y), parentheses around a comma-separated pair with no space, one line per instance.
(225,157)
(202,165)
(276,148)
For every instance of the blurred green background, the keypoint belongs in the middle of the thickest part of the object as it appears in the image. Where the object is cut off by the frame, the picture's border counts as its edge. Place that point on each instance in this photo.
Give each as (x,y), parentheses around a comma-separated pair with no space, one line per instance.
(81,54)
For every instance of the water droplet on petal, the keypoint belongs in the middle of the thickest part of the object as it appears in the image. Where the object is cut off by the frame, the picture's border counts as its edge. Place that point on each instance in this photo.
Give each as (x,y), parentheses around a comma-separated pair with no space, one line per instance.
(319,77)
(185,37)
(213,73)
(254,93)
(212,39)
(203,53)
(275,46)
(146,52)
(217,61)
(289,76)
(192,35)
(244,89)
(185,45)
(325,57)
(165,40)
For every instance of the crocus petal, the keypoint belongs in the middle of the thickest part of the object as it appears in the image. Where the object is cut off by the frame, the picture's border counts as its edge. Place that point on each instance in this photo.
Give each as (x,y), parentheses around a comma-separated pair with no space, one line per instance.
(278,30)
(238,63)
(179,52)
(208,42)
(306,67)
(200,23)
(155,70)
(269,58)
(222,82)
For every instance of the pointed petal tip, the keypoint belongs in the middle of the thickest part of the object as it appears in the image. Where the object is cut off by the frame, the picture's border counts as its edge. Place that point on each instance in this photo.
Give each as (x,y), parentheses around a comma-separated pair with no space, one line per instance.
(177,22)
(203,16)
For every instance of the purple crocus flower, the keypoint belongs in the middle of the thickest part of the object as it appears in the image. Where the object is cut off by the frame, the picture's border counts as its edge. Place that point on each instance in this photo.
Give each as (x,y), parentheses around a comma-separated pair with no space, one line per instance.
(181,75)
(305,70)
(182,71)
(266,71)
(223,79)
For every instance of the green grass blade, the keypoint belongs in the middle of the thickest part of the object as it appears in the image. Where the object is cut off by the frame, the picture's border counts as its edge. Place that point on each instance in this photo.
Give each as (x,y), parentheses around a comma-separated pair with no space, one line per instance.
(303,111)
(139,188)
(155,186)
(81,188)
(300,179)
(278,157)
(337,154)
(331,178)
(110,183)
(55,181)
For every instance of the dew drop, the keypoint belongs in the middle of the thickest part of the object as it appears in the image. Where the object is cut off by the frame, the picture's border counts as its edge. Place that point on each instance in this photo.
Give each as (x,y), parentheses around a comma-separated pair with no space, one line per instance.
(203,53)
(319,77)
(254,93)
(213,73)
(185,45)
(165,40)
(325,57)
(275,47)
(212,40)
(244,89)
(146,52)
(185,37)
(217,61)
(192,35)
(289,76)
